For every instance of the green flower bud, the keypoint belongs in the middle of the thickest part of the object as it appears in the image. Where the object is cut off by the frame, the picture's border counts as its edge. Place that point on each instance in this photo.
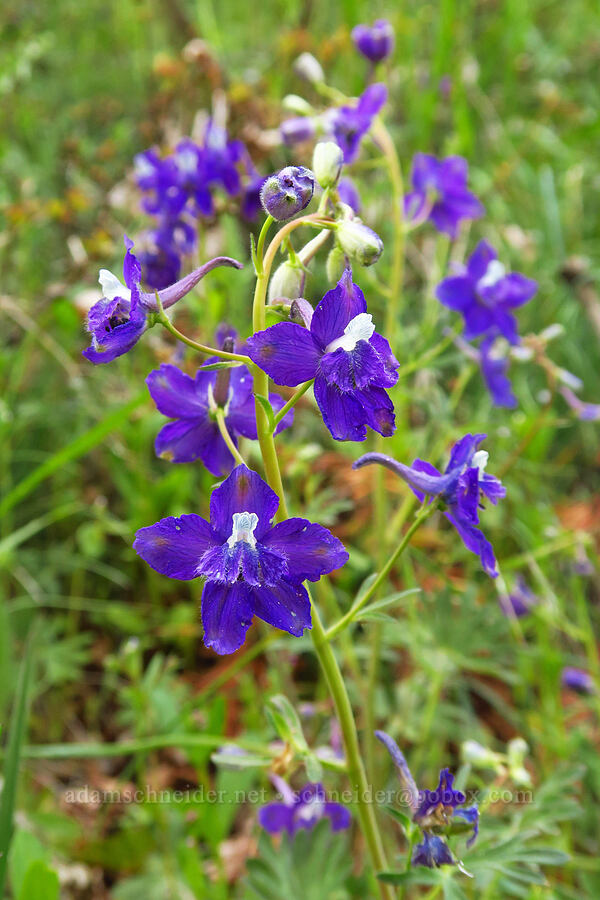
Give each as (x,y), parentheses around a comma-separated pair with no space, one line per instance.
(328,160)
(335,265)
(359,242)
(286,282)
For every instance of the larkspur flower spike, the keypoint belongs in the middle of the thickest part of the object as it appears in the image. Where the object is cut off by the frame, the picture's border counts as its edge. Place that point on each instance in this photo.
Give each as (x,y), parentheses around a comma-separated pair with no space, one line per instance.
(459,488)
(250,566)
(288,192)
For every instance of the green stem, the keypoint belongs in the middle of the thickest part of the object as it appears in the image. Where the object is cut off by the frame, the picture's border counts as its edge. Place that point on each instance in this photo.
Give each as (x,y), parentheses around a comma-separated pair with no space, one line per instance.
(299,392)
(324,652)
(429,355)
(201,348)
(220,419)
(424,513)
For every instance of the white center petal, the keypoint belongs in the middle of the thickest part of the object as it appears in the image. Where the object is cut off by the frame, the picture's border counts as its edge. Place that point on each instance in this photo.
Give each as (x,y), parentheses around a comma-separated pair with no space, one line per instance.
(360,328)
(480,459)
(244,524)
(187,161)
(313,809)
(111,286)
(143,168)
(494,272)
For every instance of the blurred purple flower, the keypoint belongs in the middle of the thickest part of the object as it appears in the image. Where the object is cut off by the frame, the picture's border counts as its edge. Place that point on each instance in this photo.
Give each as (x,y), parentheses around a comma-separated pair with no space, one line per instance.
(348,193)
(348,125)
(375,41)
(302,810)
(587,412)
(577,680)
(250,566)
(485,295)
(520,601)
(493,369)
(440,193)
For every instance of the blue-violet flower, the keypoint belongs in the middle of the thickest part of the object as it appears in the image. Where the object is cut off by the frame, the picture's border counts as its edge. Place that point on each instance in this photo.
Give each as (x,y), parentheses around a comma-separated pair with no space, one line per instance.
(440,193)
(302,810)
(375,41)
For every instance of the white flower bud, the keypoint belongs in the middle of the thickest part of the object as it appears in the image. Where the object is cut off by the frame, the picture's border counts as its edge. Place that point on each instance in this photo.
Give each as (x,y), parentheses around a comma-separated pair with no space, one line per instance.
(327,163)
(335,265)
(297,105)
(359,242)
(309,68)
(286,282)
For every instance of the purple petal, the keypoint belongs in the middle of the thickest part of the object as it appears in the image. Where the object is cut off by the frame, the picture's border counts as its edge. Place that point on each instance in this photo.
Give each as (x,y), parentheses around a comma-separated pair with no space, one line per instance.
(462,452)
(399,760)
(339,305)
(384,350)
(174,546)
(470,815)
(176,395)
(421,465)
(424,171)
(479,319)
(357,368)
(495,377)
(132,271)
(285,606)
(342,414)
(423,481)
(226,616)
(481,257)
(276,817)
(456,293)
(243,491)
(181,441)
(378,409)
(515,289)
(372,100)
(310,550)
(215,454)
(286,352)
(477,543)
(338,815)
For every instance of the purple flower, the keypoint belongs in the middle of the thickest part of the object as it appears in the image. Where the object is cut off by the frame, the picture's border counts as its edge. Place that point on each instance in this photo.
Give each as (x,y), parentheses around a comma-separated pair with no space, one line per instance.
(288,192)
(250,566)
(587,412)
(192,403)
(349,124)
(485,295)
(520,601)
(161,267)
(375,42)
(493,369)
(460,489)
(431,809)
(298,129)
(440,193)
(118,320)
(348,193)
(577,680)
(302,810)
(351,363)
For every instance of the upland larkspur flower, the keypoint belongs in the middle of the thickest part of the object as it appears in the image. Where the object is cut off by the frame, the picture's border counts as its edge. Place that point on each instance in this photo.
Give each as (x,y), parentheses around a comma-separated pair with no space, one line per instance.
(287,192)
(375,41)
(486,295)
(520,601)
(351,363)
(440,193)
(192,403)
(432,809)
(303,809)
(250,566)
(577,680)
(459,488)
(118,320)
(349,124)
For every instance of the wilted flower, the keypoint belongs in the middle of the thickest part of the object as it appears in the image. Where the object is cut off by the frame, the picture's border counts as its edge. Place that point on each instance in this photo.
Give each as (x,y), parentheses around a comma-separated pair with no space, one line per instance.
(302,810)
(577,680)
(192,403)
(485,295)
(351,363)
(376,41)
(118,320)
(440,193)
(432,809)
(288,192)
(250,566)
(460,488)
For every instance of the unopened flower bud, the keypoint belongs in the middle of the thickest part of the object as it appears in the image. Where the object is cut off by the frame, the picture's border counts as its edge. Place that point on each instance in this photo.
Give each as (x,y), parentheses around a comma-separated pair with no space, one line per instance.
(374,42)
(286,283)
(482,757)
(359,242)
(335,265)
(288,192)
(327,163)
(309,68)
(298,105)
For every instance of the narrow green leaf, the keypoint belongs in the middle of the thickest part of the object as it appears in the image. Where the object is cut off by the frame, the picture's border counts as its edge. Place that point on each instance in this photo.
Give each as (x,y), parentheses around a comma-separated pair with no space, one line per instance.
(264,402)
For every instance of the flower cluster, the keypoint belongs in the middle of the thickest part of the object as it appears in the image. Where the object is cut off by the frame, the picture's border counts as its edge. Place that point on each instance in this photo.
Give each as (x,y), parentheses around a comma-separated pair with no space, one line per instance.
(179,189)
(433,811)
(459,489)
